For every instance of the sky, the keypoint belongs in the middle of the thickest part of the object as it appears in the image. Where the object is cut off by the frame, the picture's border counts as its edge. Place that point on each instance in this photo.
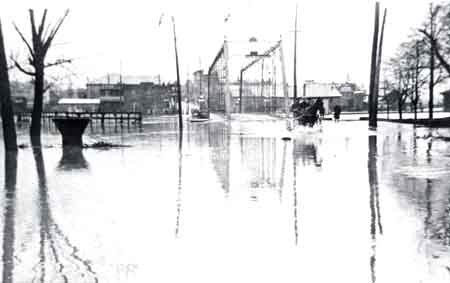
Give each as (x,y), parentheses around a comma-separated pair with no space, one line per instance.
(334,38)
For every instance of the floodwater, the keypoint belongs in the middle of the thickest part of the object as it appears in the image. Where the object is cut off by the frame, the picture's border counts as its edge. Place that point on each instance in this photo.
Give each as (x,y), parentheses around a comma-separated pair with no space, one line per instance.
(230,202)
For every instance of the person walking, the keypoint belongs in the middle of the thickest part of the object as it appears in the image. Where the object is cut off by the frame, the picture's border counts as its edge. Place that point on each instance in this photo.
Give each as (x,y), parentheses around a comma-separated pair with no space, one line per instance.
(321,110)
(337,112)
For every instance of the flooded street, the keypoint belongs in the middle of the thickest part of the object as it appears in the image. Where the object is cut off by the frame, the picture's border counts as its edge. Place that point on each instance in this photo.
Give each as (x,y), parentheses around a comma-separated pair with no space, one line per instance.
(231,202)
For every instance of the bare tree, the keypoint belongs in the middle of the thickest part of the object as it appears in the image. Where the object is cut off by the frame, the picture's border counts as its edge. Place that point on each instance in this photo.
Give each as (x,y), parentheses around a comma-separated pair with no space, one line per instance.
(402,80)
(436,31)
(388,97)
(416,65)
(7,114)
(42,39)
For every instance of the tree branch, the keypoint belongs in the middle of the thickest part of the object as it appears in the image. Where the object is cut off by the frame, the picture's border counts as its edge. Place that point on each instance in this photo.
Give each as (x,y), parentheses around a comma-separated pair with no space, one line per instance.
(436,50)
(33,27)
(49,85)
(24,40)
(41,26)
(58,62)
(48,41)
(18,66)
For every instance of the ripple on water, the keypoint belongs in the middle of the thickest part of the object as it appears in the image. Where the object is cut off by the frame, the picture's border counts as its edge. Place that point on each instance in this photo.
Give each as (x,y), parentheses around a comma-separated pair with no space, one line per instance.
(421,172)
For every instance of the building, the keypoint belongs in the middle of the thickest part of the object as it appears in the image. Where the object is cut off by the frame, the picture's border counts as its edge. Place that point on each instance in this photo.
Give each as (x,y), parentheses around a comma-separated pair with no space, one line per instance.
(328,92)
(145,97)
(446,100)
(22,96)
(19,104)
(200,85)
(353,97)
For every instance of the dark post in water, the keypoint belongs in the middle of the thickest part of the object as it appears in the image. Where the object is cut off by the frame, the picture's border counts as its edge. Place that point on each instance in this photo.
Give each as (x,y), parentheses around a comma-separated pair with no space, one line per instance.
(72,130)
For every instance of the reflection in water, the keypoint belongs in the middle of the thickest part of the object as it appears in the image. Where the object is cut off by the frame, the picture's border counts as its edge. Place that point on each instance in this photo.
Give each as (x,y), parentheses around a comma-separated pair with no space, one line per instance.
(429,147)
(375,215)
(437,218)
(9,214)
(429,213)
(219,143)
(307,152)
(283,169)
(414,145)
(72,158)
(180,181)
(258,156)
(294,186)
(52,236)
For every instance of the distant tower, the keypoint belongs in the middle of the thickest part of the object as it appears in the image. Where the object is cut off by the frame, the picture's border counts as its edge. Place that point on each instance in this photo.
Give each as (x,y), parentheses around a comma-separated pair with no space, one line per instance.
(347,80)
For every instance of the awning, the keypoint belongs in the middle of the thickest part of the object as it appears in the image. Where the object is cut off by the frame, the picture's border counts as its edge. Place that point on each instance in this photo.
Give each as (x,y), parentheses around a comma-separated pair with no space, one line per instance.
(84,101)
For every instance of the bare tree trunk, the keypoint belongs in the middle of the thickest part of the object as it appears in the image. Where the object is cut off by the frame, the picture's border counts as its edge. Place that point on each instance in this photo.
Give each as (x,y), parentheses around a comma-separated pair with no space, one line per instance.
(7,114)
(400,105)
(431,87)
(432,66)
(35,129)
(373,70)
(415,112)
(416,82)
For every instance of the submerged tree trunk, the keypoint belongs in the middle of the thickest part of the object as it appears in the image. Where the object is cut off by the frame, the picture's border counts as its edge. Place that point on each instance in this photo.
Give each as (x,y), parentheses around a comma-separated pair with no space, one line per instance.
(400,110)
(35,129)
(7,114)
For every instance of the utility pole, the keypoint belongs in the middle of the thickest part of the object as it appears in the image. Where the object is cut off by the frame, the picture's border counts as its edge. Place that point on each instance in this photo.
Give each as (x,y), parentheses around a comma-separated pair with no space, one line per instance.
(180,113)
(373,71)
(295,55)
(378,69)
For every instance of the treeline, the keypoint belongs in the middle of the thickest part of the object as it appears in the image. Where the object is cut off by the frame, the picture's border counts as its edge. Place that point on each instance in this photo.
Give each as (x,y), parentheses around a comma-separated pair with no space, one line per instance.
(421,62)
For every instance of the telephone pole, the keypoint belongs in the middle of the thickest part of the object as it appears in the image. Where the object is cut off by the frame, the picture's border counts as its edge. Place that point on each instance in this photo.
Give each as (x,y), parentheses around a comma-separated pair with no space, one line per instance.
(295,55)
(180,112)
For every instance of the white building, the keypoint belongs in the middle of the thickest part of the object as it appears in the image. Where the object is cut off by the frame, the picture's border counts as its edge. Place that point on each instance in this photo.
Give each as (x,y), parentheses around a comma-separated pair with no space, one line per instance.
(327,91)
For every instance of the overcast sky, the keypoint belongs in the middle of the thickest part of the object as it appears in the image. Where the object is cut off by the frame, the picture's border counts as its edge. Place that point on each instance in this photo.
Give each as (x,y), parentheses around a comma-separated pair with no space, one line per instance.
(334,39)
